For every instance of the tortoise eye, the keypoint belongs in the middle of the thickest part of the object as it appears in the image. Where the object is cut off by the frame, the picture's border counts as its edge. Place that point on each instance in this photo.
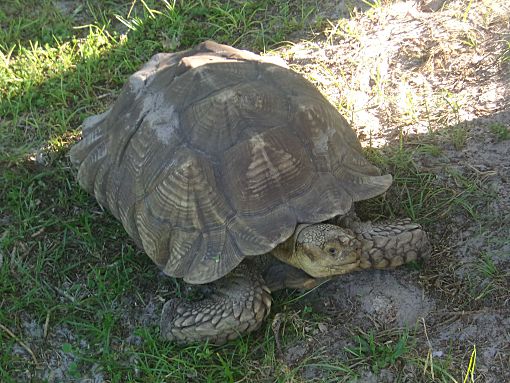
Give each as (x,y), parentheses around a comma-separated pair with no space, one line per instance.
(332,251)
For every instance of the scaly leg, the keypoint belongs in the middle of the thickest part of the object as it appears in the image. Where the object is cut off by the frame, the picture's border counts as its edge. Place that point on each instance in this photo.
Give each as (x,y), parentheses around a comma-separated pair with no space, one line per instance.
(238,304)
(388,245)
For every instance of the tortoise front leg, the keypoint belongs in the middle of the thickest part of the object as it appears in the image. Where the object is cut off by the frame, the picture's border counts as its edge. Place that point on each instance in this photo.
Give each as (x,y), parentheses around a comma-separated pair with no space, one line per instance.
(387,245)
(238,305)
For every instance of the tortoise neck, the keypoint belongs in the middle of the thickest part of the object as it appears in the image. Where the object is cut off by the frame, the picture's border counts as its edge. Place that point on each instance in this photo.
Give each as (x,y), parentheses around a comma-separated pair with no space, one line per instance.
(286,251)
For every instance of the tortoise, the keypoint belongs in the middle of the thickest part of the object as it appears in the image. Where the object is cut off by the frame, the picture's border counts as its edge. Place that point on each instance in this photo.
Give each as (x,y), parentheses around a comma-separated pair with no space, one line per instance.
(226,168)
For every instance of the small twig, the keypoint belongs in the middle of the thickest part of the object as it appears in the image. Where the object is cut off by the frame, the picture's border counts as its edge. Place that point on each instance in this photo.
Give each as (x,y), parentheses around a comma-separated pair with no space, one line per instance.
(38,232)
(104,95)
(472,312)
(46,324)
(61,292)
(64,294)
(276,325)
(429,354)
(23,344)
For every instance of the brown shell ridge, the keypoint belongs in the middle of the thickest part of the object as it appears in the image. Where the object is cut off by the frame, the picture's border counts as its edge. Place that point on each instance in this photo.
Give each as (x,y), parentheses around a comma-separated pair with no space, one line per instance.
(208,95)
(116,172)
(182,223)
(251,234)
(133,177)
(89,149)
(196,256)
(138,124)
(218,255)
(101,182)
(89,164)
(362,185)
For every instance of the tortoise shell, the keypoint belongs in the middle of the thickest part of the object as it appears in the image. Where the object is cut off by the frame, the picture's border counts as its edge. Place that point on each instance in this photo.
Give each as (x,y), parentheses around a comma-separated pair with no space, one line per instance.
(214,154)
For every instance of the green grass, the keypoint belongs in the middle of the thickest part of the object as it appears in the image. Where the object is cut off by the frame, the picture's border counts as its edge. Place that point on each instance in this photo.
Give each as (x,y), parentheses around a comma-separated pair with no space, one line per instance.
(488,280)
(500,131)
(70,269)
(417,194)
(377,354)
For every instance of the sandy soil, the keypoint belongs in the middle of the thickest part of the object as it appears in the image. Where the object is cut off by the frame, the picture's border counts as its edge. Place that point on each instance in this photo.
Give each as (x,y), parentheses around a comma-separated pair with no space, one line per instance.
(405,74)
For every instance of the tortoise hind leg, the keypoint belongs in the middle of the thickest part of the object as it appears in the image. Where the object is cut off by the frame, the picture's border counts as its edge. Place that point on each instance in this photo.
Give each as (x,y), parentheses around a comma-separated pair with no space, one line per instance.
(238,305)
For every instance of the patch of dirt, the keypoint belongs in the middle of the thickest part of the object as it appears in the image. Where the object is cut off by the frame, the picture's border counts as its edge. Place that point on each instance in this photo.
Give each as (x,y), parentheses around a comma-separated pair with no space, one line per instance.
(390,298)
(485,157)
(488,331)
(397,71)
(60,358)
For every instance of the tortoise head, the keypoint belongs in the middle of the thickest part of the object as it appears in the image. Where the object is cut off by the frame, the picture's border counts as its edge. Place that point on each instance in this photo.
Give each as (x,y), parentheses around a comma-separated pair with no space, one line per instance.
(324,250)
